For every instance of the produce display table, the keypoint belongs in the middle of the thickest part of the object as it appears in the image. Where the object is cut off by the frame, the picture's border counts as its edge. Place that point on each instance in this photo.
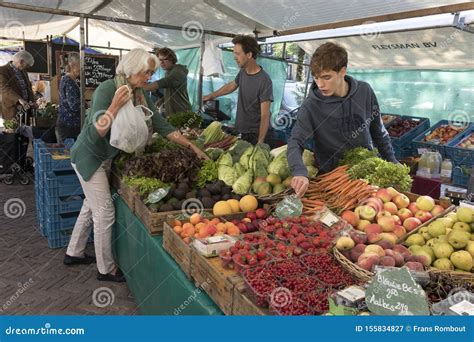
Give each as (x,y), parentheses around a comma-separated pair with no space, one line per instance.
(154,278)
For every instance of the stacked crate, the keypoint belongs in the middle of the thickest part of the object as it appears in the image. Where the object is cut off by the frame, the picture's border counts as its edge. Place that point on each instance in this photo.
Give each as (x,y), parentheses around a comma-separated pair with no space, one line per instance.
(58,192)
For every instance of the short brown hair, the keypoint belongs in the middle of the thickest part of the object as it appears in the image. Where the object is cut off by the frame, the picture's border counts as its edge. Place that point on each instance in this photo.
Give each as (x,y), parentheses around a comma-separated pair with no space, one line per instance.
(248,43)
(327,57)
(168,54)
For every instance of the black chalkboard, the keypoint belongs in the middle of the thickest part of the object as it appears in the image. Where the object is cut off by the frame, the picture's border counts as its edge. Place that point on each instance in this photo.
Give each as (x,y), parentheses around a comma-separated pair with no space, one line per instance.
(57,50)
(39,50)
(98,68)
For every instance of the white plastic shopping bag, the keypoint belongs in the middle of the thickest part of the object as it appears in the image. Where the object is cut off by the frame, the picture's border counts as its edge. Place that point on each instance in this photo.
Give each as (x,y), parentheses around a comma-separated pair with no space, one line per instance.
(129,130)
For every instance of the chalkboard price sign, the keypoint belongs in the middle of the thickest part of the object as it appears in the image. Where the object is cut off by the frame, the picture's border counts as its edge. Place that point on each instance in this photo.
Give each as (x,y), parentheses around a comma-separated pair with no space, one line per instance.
(395,292)
(99,68)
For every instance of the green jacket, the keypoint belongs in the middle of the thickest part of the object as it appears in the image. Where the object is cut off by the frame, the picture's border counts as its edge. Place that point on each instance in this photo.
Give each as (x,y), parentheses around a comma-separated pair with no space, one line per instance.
(175,84)
(90,149)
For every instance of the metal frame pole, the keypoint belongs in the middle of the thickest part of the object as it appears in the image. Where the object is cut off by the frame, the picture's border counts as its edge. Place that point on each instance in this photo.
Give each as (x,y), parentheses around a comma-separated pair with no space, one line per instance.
(82,50)
(201,70)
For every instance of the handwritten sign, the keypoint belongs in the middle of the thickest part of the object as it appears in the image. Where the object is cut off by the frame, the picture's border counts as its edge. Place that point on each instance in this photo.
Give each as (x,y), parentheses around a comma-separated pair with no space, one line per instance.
(288,207)
(395,293)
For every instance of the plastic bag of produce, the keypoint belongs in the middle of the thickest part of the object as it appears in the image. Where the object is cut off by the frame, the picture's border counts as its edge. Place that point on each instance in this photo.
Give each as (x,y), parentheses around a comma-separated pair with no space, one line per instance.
(129,130)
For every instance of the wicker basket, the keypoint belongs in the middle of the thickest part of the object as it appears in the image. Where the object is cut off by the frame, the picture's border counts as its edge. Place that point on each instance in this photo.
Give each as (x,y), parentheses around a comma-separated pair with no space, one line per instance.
(274,198)
(461,276)
(352,268)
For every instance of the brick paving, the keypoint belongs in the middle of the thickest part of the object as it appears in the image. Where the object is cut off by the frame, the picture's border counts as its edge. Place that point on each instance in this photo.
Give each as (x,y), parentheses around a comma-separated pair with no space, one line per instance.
(33,279)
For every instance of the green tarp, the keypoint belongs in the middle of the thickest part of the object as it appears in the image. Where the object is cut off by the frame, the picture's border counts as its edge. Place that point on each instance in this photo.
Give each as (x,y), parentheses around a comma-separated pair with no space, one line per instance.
(155,280)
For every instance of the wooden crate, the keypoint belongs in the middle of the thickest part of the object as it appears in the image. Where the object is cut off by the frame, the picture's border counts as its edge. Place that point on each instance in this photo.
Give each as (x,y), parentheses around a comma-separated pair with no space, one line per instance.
(153,221)
(217,281)
(177,248)
(128,194)
(242,305)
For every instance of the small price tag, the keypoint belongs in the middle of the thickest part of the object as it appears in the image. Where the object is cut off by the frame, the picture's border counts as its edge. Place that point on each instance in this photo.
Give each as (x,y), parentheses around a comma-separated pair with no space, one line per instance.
(157,195)
(352,293)
(329,218)
(463,308)
(288,207)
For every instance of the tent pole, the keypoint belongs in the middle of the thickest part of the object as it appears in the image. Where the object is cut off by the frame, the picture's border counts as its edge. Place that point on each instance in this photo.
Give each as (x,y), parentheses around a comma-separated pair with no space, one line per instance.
(82,77)
(308,76)
(201,70)
(87,31)
(147,11)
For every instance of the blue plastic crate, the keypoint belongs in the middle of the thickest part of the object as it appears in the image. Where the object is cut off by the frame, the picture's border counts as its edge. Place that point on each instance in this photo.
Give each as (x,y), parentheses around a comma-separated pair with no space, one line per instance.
(405,141)
(61,205)
(459,178)
(386,124)
(59,222)
(41,223)
(61,239)
(404,152)
(53,180)
(458,155)
(418,142)
(52,190)
(46,163)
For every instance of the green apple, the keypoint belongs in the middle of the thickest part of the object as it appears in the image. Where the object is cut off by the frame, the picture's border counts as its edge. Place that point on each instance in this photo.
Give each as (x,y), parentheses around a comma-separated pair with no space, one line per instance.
(443,264)
(443,250)
(462,226)
(462,260)
(458,238)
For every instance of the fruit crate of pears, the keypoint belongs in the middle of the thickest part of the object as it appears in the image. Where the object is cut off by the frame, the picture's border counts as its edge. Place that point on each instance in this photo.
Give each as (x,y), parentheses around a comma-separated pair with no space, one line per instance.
(447,244)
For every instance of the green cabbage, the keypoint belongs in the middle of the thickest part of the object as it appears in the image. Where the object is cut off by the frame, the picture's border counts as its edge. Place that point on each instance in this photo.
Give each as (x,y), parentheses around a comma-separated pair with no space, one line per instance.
(308,158)
(245,158)
(225,159)
(243,183)
(226,174)
(238,149)
(239,169)
(312,171)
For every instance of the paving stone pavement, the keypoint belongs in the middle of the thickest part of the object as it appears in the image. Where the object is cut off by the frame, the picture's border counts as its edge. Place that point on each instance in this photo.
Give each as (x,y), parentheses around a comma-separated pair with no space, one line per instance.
(33,278)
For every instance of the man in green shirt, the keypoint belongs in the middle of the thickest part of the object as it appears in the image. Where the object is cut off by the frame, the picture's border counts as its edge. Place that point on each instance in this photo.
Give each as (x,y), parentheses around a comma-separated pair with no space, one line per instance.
(174,83)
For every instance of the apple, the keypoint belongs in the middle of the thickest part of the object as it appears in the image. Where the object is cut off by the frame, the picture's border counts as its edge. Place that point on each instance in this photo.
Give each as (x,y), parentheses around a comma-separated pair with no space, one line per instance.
(413,208)
(411,223)
(367,212)
(392,191)
(384,195)
(425,203)
(390,207)
(401,201)
(437,209)
(383,213)
(261,213)
(397,219)
(423,215)
(404,213)
(387,223)
(351,217)
(362,224)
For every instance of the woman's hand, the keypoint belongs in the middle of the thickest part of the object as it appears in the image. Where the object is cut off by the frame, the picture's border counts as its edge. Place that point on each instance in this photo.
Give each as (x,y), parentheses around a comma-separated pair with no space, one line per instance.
(121,97)
(300,185)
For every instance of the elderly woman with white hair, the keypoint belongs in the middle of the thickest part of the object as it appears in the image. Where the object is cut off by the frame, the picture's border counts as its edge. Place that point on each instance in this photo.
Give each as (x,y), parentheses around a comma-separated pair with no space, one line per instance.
(92,153)
(15,86)
(68,124)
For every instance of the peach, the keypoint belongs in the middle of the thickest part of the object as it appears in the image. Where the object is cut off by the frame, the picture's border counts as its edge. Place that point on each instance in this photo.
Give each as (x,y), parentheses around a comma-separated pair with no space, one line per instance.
(413,208)
(385,244)
(387,223)
(178,229)
(374,249)
(187,240)
(358,237)
(369,262)
(411,223)
(387,261)
(404,213)
(414,266)
(215,221)
(401,249)
(177,223)
(195,218)
(356,252)
(373,228)
(373,237)
(397,219)
(363,224)
(211,230)
(437,209)
(220,227)
(366,212)
(390,237)
(188,230)
(401,201)
(423,215)
(351,217)
(399,230)
(384,195)
(390,207)
(233,231)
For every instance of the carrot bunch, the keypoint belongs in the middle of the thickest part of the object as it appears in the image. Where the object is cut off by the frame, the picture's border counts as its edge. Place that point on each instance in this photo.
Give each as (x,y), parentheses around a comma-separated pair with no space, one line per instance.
(336,190)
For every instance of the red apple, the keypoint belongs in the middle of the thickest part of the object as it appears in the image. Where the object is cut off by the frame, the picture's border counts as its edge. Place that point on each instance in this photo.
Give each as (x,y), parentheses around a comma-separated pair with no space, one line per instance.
(401,201)
(413,208)
(411,223)
(383,213)
(384,195)
(423,215)
(390,207)
(351,217)
(397,219)
(437,209)
(387,223)
(399,231)
(404,213)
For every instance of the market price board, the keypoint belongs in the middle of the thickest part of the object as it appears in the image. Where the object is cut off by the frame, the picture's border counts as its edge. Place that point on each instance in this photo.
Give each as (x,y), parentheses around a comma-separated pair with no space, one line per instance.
(394,292)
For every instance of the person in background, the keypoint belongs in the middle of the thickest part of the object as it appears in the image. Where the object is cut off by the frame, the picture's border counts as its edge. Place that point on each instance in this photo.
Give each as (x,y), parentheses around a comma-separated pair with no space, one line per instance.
(340,113)
(92,154)
(68,124)
(174,84)
(255,91)
(15,85)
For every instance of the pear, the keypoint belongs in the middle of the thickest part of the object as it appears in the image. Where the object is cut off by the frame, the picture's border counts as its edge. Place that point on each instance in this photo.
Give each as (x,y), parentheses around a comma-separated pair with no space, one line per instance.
(462,226)
(462,260)
(458,238)
(443,264)
(415,239)
(443,250)
(429,250)
(424,232)
(470,248)
(465,214)
(453,216)
(428,258)
(448,222)
(436,228)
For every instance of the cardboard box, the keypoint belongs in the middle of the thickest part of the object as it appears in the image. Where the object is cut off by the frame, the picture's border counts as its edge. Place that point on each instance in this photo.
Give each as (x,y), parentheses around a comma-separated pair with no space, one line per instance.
(211,246)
